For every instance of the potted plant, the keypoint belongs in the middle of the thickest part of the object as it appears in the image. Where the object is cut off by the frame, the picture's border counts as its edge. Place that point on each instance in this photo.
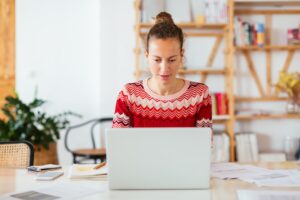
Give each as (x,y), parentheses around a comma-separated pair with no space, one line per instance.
(290,83)
(28,122)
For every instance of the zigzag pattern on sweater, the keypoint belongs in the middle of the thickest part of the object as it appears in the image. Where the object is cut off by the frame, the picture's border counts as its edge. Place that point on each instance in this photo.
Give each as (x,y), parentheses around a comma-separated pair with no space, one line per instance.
(121,120)
(164,114)
(204,123)
(135,94)
(134,99)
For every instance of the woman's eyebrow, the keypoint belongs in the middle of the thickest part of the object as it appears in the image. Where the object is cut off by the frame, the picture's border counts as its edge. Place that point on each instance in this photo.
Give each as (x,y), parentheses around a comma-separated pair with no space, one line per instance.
(172,56)
(168,58)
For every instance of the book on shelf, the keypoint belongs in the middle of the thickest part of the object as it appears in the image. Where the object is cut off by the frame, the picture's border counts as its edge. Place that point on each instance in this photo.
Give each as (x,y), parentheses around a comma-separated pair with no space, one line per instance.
(247,34)
(79,171)
(220,150)
(219,103)
(246,147)
(294,36)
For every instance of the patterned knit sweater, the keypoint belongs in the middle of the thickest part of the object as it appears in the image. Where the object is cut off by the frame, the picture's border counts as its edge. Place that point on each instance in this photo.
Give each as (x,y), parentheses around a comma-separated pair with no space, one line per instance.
(138,106)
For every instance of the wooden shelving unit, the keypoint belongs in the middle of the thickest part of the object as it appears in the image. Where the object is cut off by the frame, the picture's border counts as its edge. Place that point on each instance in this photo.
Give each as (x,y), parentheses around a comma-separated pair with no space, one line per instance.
(267,9)
(225,32)
(268,116)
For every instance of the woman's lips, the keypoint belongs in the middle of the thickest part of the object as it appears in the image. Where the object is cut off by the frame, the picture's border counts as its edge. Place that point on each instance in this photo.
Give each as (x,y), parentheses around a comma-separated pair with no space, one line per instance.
(164,77)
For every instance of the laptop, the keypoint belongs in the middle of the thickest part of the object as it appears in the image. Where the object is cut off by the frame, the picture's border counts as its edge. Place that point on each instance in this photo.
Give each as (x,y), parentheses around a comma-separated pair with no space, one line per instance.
(158,158)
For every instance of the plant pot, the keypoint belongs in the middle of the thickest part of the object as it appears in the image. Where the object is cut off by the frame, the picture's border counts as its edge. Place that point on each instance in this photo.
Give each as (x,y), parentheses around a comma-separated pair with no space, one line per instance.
(44,156)
(293,106)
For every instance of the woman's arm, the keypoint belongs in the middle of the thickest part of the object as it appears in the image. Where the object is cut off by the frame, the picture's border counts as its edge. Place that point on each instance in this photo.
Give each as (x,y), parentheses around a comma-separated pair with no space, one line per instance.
(204,115)
(122,116)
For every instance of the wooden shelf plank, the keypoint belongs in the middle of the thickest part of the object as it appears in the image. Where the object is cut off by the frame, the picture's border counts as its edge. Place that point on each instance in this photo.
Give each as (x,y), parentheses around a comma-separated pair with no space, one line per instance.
(201,71)
(267,2)
(193,71)
(267,12)
(187,25)
(268,48)
(270,116)
(220,119)
(258,99)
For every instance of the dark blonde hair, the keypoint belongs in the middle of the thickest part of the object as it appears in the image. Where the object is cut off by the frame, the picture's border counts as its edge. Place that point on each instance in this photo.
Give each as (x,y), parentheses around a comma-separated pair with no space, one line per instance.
(164,28)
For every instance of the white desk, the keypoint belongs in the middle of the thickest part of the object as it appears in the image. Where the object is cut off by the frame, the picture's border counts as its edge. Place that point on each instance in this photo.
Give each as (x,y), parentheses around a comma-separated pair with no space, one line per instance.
(18,180)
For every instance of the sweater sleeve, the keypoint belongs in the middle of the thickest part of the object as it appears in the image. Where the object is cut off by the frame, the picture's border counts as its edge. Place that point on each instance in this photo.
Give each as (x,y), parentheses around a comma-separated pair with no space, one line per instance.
(122,115)
(204,116)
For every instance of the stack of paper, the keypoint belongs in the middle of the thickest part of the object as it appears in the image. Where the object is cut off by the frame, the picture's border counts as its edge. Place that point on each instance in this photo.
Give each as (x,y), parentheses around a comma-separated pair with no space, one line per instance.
(86,171)
(267,194)
(258,175)
(288,178)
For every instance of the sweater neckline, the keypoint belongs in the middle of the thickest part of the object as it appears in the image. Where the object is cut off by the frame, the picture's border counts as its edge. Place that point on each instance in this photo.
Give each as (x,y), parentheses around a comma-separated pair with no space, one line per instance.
(166,97)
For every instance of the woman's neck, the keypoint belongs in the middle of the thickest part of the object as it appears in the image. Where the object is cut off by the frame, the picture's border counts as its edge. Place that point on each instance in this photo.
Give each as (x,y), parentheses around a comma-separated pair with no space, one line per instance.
(165,89)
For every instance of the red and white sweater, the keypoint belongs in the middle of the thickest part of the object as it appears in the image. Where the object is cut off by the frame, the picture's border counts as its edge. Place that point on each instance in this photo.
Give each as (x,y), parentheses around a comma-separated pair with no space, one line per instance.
(138,106)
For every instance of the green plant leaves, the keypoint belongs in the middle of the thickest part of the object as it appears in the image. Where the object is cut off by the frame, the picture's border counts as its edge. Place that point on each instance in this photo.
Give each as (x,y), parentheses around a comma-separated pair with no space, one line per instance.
(25,122)
(36,103)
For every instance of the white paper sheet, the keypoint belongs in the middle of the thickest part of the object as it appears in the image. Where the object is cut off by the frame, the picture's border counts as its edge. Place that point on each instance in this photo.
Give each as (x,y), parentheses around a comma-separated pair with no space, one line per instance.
(291,179)
(86,171)
(237,171)
(259,176)
(267,195)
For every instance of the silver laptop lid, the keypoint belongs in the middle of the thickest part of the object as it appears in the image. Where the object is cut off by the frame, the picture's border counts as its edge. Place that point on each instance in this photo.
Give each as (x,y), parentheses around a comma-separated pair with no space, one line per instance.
(158,158)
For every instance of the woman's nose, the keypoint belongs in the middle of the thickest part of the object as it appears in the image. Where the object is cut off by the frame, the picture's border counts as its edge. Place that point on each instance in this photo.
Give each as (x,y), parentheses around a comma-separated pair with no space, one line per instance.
(164,66)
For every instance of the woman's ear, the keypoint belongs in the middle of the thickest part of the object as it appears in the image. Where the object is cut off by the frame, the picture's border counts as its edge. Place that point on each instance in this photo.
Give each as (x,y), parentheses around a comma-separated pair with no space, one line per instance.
(182,53)
(146,53)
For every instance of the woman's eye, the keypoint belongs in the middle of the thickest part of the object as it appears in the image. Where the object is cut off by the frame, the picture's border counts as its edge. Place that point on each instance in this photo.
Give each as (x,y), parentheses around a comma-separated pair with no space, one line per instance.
(172,60)
(157,60)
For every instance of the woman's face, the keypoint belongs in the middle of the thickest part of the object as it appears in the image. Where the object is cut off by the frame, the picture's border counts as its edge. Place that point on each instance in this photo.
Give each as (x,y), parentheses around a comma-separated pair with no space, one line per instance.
(164,58)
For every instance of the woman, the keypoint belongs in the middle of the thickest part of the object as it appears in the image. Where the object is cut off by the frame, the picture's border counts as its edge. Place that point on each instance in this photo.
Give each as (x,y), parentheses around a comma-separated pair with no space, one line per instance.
(163,100)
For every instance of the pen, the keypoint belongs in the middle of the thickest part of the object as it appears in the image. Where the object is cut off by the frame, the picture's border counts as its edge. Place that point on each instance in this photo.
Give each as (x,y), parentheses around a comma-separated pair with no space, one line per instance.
(100,165)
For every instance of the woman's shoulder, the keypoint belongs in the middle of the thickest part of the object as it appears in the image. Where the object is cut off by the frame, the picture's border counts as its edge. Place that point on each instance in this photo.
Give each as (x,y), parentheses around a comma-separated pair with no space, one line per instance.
(133,87)
(193,85)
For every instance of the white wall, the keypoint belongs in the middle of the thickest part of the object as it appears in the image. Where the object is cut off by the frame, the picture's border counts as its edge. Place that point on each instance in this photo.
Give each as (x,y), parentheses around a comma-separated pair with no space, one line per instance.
(80,53)
(58,51)
(117,44)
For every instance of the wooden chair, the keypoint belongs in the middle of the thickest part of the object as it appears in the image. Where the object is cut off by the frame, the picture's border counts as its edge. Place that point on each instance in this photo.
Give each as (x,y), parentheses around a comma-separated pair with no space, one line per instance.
(93,153)
(18,154)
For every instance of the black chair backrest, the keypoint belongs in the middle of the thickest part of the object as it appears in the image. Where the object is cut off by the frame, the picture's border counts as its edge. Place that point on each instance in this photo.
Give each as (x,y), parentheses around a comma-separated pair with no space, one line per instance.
(93,123)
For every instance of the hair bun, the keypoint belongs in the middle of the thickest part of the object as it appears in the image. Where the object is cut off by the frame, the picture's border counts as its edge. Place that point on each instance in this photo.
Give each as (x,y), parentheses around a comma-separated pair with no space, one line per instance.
(164,17)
